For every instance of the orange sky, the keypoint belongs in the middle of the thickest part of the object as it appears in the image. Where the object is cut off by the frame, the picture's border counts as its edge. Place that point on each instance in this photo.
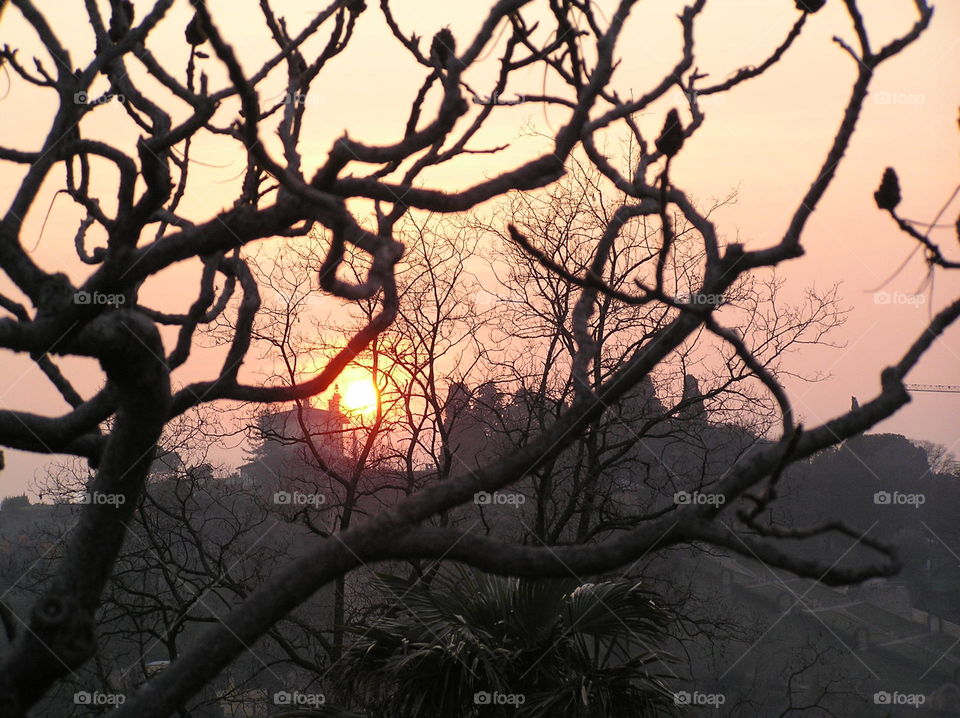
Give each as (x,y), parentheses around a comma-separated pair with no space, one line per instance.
(766,139)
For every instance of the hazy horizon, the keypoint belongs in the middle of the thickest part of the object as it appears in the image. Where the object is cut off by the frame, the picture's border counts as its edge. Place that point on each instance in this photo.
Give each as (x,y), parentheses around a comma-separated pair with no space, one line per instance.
(764,141)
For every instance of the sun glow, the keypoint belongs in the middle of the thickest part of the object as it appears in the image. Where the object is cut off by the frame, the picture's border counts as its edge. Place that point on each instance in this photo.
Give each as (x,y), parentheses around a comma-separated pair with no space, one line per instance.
(360,396)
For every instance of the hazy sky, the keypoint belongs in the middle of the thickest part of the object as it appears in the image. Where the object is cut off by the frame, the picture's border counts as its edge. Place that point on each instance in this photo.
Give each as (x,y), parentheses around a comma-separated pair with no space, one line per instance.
(766,140)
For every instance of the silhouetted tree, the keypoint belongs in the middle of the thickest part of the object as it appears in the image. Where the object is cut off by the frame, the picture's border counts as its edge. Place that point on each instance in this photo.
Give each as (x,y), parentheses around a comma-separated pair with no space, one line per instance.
(137,223)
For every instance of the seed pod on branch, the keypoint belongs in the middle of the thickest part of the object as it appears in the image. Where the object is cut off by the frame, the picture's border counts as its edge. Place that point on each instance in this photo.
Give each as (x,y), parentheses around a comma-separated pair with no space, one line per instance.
(355,7)
(888,196)
(810,5)
(443,47)
(195,33)
(671,136)
(120,22)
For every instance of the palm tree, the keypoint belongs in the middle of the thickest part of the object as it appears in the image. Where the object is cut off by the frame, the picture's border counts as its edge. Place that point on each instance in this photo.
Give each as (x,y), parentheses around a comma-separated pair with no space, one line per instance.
(472,644)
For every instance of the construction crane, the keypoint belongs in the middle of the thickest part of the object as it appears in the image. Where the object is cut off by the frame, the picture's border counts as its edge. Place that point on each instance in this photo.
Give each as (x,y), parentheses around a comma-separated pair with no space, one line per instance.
(939,388)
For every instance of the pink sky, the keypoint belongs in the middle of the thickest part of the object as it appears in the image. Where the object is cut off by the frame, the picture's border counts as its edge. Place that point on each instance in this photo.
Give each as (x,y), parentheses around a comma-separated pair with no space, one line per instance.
(766,139)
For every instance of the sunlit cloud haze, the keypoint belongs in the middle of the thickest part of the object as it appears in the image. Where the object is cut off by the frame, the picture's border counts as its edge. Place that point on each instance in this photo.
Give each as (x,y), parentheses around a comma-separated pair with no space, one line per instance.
(764,141)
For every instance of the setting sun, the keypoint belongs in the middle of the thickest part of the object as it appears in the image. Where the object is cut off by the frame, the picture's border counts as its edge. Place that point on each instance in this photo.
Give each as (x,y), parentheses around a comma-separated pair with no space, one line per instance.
(360,396)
